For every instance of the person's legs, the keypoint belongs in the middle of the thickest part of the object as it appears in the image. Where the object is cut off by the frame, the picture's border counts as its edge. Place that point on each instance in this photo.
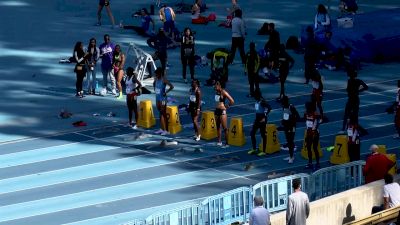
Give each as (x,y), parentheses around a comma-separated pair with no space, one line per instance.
(218,124)
(195,118)
(253,134)
(234,45)
(290,141)
(112,79)
(250,77)
(99,9)
(191,67)
(120,74)
(135,108)
(224,123)
(309,140)
(346,115)
(129,100)
(108,8)
(315,143)
(184,65)
(88,81)
(263,128)
(105,77)
(241,50)
(319,105)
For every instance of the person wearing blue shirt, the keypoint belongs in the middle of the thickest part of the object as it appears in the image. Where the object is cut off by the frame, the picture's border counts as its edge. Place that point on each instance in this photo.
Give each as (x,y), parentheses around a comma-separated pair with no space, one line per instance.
(144,28)
(160,84)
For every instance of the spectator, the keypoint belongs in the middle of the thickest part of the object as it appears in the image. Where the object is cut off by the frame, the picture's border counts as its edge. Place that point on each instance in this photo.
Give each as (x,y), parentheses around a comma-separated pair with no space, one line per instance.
(93,56)
(197,18)
(286,62)
(348,6)
(391,195)
(298,207)
(106,54)
(272,46)
(162,42)
(376,166)
(251,69)
(144,28)
(187,53)
(238,36)
(353,138)
(167,16)
(322,21)
(259,215)
(80,67)
(105,3)
(310,54)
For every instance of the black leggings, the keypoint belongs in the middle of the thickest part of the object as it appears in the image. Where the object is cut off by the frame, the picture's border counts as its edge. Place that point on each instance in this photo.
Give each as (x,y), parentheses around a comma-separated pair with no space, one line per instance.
(312,139)
(185,62)
(131,102)
(253,82)
(289,133)
(354,152)
(79,80)
(262,126)
(352,107)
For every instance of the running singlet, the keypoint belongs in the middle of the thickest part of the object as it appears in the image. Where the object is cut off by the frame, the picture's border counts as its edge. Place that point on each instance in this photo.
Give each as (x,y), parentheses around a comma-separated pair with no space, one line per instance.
(192,96)
(351,131)
(130,86)
(218,98)
(310,121)
(160,90)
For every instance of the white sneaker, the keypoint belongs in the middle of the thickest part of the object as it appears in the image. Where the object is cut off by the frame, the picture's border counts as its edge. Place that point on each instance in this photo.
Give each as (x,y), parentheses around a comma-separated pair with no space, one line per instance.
(225,146)
(198,138)
(164,133)
(291,160)
(287,158)
(159,131)
(134,127)
(284,148)
(114,92)
(219,144)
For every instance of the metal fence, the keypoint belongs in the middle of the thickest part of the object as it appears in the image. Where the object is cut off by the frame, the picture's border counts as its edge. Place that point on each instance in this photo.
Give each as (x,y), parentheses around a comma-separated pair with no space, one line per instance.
(228,207)
(335,179)
(188,214)
(276,191)
(235,205)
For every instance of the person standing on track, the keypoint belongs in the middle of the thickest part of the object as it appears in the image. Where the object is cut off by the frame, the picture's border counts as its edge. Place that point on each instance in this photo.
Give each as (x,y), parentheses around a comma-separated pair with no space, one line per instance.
(133,89)
(221,118)
(118,68)
(160,84)
(286,62)
(251,69)
(312,134)
(289,119)
(187,53)
(353,138)
(317,92)
(354,87)
(195,106)
(262,110)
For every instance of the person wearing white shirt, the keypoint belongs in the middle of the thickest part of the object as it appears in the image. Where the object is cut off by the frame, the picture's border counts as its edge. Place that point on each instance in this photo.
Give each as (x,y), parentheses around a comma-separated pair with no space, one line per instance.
(238,36)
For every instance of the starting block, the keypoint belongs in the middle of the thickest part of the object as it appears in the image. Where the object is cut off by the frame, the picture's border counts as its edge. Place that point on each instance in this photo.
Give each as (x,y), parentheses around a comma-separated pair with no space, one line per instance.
(304,152)
(340,153)
(236,135)
(173,121)
(392,170)
(273,145)
(208,129)
(146,115)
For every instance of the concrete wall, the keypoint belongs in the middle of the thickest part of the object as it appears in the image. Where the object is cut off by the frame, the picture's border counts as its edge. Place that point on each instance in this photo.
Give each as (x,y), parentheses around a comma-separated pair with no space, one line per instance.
(332,210)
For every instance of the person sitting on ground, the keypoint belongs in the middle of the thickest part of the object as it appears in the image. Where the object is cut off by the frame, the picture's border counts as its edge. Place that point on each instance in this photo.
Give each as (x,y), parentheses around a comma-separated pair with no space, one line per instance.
(376,165)
(167,16)
(391,195)
(229,17)
(322,21)
(197,18)
(144,28)
(219,65)
(348,6)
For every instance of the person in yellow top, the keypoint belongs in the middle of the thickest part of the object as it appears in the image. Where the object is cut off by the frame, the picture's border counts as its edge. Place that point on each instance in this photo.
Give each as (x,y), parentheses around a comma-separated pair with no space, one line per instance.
(251,69)
(167,16)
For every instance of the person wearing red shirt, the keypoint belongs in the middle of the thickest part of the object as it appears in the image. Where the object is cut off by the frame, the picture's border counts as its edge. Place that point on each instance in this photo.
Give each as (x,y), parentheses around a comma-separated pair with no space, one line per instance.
(376,166)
